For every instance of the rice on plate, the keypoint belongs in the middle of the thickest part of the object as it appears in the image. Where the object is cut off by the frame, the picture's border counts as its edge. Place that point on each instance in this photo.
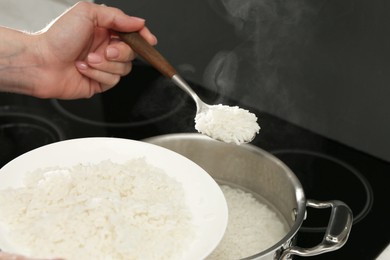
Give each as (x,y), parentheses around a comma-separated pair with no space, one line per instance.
(120,201)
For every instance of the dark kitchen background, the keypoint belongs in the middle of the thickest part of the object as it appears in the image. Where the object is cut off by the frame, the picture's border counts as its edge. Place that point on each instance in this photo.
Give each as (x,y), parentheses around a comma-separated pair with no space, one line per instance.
(316,73)
(322,64)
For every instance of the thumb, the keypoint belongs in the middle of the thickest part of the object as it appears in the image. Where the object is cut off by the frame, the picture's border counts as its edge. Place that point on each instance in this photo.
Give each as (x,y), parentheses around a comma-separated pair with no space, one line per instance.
(114,19)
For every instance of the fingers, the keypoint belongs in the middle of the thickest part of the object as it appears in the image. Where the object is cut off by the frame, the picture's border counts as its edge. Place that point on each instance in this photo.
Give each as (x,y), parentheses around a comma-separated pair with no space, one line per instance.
(149,37)
(104,66)
(114,19)
(99,62)
(114,61)
(7,256)
(108,17)
(105,80)
(108,67)
(119,51)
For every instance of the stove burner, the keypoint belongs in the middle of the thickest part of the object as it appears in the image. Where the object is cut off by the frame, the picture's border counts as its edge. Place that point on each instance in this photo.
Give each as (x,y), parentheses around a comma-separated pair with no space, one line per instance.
(21,132)
(324,177)
(142,97)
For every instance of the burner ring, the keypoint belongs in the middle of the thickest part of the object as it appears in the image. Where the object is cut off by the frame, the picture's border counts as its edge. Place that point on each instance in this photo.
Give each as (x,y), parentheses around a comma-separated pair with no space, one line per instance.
(21,132)
(140,98)
(56,104)
(369,196)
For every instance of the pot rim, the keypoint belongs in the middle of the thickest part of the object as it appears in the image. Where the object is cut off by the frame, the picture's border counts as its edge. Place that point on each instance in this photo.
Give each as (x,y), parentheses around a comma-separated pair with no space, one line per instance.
(300,213)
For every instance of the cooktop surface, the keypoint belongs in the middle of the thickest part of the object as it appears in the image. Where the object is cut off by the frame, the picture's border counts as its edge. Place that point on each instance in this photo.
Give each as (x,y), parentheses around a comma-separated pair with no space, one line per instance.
(145,104)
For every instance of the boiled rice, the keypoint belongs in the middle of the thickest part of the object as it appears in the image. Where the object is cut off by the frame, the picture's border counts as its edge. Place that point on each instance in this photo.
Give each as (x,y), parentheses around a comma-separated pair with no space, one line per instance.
(230,124)
(253,226)
(107,210)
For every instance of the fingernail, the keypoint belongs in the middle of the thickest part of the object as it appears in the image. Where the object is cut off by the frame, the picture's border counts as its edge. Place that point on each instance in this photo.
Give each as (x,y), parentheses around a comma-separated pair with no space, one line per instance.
(94,58)
(112,53)
(155,40)
(81,65)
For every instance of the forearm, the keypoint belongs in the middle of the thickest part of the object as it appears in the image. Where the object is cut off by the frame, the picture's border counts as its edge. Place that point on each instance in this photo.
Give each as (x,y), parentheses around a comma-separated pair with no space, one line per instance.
(18,62)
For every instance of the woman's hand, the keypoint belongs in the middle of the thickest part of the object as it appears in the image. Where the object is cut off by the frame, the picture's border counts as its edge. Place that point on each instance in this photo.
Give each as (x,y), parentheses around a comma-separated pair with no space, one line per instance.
(76,56)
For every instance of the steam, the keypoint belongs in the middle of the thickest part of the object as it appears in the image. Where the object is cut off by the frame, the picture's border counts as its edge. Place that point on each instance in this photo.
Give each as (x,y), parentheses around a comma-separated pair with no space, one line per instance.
(257,71)
(222,72)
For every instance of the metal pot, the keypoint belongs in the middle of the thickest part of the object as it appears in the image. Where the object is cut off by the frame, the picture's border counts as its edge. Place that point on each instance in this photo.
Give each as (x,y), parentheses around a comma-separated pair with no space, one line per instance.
(261,173)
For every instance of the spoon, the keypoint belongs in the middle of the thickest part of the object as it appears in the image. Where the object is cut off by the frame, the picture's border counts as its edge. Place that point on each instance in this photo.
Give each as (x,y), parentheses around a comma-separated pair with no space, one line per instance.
(205,113)
(151,55)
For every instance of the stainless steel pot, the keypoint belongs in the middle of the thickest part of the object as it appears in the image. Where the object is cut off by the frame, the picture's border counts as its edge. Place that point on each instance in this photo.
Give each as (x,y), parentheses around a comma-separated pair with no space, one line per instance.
(261,173)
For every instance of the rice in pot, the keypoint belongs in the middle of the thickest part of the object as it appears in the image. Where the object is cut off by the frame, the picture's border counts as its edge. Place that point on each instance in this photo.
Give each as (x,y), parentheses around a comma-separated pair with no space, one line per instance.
(252,228)
(131,210)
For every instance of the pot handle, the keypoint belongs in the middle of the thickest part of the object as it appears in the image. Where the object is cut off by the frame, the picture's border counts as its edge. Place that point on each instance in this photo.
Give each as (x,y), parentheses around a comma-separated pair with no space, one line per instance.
(336,235)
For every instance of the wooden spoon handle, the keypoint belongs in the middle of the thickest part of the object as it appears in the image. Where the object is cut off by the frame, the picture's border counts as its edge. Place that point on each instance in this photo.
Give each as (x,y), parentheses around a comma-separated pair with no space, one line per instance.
(148,52)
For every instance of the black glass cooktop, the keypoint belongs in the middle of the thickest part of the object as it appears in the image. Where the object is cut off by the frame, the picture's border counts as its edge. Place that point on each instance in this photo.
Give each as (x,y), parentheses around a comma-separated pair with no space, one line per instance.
(145,104)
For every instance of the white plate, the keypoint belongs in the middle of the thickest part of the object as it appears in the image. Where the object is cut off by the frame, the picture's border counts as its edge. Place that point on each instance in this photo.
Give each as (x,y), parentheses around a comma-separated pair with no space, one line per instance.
(204,197)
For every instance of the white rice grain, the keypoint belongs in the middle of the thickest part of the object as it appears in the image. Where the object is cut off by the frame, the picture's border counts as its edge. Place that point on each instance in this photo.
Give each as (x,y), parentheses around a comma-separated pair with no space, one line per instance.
(253,227)
(227,124)
(101,211)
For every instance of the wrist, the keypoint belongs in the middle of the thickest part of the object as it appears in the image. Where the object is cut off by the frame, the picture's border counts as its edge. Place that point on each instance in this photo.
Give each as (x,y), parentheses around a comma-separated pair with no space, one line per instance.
(19,62)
